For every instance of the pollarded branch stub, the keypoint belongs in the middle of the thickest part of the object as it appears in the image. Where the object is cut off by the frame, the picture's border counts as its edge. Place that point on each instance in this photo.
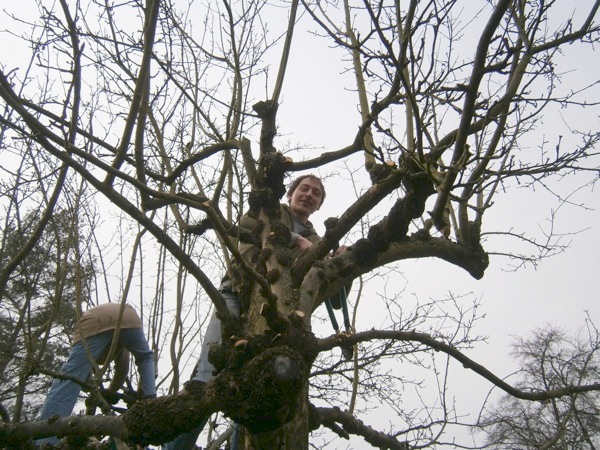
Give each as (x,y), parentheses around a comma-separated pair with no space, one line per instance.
(267,111)
(378,235)
(331,225)
(419,189)
(417,181)
(264,255)
(280,235)
(378,172)
(274,167)
(275,320)
(257,199)
(273,276)
(364,252)
(398,220)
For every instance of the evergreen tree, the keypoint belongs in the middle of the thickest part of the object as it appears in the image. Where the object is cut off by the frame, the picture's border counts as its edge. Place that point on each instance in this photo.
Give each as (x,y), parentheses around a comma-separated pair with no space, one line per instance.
(37,312)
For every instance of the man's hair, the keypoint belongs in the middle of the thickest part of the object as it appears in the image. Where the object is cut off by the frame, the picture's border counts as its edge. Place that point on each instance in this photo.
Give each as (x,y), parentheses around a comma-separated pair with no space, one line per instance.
(298,180)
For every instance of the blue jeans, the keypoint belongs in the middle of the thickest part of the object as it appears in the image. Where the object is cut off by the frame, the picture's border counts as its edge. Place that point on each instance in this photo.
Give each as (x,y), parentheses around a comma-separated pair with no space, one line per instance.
(204,369)
(63,394)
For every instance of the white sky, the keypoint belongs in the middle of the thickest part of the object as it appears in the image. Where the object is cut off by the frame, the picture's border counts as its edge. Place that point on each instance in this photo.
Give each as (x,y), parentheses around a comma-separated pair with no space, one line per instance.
(316,109)
(558,292)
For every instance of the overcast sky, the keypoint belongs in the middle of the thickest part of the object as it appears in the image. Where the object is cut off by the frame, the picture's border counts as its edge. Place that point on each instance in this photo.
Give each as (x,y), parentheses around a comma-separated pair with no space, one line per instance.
(559,292)
(317,111)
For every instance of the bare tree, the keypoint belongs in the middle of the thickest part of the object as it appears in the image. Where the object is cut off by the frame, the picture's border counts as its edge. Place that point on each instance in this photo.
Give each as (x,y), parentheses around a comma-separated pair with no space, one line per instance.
(553,361)
(167,113)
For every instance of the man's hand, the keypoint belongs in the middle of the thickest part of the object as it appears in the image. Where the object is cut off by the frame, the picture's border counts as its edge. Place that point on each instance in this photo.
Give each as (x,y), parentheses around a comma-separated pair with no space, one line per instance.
(302,243)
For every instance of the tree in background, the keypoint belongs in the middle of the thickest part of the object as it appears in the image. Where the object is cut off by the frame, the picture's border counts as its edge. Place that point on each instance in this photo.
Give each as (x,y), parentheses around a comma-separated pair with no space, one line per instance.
(551,361)
(39,302)
(169,120)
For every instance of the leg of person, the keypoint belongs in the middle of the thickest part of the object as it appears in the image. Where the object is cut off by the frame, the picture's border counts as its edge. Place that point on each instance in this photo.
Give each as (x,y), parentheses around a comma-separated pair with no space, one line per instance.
(204,370)
(63,394)
(133,339)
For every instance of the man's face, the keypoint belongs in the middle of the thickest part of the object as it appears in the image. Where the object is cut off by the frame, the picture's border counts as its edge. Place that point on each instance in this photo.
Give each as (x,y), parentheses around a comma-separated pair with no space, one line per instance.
(306,198)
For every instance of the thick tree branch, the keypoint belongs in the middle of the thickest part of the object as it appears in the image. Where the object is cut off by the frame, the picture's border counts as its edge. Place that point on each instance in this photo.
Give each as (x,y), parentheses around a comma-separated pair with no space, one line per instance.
(437,345)
(330,417)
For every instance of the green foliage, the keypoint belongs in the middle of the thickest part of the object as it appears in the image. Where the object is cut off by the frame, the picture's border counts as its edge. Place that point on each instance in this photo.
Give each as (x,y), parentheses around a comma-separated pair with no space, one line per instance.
(37,311)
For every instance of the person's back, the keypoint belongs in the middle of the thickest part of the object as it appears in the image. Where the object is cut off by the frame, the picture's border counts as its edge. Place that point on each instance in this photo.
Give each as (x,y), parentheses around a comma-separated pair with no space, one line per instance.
(92,337)
(105,317)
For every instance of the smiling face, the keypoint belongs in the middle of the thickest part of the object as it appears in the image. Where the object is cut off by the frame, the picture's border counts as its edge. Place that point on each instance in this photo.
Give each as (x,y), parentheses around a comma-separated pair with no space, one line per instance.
(306,198)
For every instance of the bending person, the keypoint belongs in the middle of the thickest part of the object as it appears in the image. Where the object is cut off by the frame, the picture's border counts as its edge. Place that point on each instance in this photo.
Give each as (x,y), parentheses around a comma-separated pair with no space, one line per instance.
(95,331)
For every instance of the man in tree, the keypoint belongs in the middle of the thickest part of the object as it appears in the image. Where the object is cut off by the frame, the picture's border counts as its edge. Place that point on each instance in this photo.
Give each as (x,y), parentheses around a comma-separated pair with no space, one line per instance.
(305,196)
(92,338)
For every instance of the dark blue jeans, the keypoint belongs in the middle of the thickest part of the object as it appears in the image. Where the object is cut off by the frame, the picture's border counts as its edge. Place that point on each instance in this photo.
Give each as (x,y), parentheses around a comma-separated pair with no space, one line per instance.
(63,394)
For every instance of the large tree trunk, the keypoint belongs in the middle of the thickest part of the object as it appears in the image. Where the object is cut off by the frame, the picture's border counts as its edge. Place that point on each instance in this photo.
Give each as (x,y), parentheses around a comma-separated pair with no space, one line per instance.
(277,316)
(292,435)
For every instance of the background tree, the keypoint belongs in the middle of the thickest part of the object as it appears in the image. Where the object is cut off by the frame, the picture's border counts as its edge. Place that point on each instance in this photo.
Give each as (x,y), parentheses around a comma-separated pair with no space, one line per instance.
(39,303)
(552,360)
(170,120)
